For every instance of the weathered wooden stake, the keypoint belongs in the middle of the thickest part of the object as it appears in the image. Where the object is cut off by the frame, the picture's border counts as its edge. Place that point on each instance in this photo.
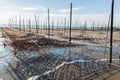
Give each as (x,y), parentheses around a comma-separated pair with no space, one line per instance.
(65,26)
(36,24)
(20,23)
(24,25)
(29,25)
(16,20)
(70,23)
(111,31)
(48,25)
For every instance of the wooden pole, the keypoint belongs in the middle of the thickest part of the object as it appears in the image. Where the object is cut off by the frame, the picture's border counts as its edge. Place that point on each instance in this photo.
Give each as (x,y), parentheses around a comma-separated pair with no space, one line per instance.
(85,26)
(16,20)
(52,25)
(24,25)
(65,26)
(20,23)
(29,25)
(48,24)
(108,27)
(12,22)
(36,24)
(70,23)
(111,31)
(93,25)
(9,23)
(57,23)
(41,26)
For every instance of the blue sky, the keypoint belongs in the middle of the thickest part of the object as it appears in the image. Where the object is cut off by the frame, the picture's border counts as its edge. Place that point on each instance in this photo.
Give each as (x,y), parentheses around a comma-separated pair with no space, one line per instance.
(83,10)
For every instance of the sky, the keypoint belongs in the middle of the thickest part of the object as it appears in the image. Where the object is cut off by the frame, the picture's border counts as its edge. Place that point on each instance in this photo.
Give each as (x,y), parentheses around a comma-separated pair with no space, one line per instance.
(83,10)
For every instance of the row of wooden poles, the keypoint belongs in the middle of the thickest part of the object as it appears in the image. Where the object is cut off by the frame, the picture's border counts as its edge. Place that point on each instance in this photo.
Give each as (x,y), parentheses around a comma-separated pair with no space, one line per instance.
(47,23)
(70,25)
(24,23)
(28,23)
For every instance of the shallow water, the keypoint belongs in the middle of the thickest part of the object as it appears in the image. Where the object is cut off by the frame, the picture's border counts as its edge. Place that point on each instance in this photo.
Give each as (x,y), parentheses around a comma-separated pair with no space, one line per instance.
(74,55)
(98,48)
(38,62)
(35,62)
(4,56)
(58,51)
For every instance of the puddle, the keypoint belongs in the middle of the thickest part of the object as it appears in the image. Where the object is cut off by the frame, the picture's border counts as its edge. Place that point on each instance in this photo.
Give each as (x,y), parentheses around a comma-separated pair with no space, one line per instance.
(47,60)
(27,54)
(58,51)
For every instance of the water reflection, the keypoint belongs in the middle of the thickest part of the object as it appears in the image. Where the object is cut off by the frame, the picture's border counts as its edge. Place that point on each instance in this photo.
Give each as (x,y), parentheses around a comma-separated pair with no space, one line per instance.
(27,54)
(58,51)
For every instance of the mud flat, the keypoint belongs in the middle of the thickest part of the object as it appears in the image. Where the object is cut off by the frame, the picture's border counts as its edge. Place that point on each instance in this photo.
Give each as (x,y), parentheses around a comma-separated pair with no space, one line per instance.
(93,36)
(29,41)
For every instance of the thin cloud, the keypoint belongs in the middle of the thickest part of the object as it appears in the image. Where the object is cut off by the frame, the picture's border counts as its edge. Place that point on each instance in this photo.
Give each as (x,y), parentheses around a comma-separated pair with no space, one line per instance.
(34,8)
(30,8)
(67,10)
(4,7)
(77,8)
